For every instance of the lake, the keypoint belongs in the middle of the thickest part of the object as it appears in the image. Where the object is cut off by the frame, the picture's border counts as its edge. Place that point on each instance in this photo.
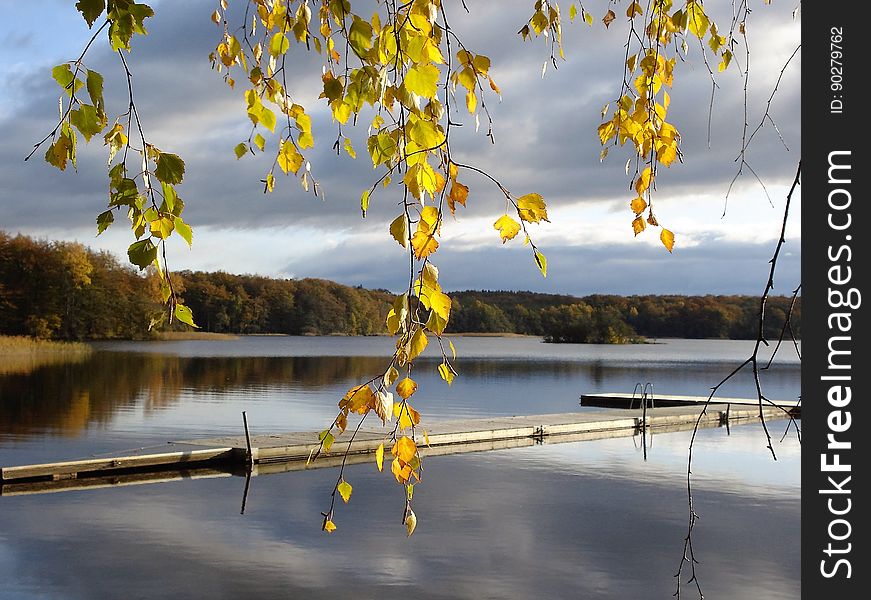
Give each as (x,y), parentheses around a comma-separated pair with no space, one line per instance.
(581,520)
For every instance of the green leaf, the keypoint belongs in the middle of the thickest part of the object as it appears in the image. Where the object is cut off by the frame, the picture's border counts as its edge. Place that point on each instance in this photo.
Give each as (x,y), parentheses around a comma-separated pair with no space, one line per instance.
(94,83)
(184,314)
(360,36)
(63,74)
(142,253)
(326,439)
(541,261)
(184,230)
(260,142)
(278,45)
(104,219)
(267,118)
(170,168)
(240,150)
(91,10)
(88,120)
(344,489)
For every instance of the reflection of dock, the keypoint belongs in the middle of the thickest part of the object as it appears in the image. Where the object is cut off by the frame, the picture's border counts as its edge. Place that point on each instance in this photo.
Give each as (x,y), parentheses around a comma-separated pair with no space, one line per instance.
(215,457)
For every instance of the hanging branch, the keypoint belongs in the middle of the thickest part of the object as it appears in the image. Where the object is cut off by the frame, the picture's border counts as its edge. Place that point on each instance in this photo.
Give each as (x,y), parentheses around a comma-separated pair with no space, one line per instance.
(688,558)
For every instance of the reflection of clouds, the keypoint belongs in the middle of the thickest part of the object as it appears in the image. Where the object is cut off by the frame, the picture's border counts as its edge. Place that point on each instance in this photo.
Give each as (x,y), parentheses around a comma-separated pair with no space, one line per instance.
(508,524)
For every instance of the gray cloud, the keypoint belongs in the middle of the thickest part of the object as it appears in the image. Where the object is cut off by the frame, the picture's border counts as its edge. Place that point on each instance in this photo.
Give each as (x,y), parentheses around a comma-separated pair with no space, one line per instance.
(544,128)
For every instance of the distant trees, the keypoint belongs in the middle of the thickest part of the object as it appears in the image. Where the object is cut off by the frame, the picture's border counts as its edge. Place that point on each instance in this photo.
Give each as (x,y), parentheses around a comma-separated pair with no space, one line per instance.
(64,290)
(618,319)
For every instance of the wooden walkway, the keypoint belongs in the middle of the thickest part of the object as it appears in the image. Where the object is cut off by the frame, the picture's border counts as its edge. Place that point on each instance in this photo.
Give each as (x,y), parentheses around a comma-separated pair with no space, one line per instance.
(618,400)
(290,451)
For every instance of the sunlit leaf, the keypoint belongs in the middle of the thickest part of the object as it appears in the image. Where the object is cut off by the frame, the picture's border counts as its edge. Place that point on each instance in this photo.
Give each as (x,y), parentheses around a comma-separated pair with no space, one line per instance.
(184,315)
(329,526)
(406,388)
(344,488)
(446,373)
(404,449)
(410,522)
(418,344)
(643,181)
(379,457)
(423,244)
(531,208)
(507,227)
(667,239)
(541,261)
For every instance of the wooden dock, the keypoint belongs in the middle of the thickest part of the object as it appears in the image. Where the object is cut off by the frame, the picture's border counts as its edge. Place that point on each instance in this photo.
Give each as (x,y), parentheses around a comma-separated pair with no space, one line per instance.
(290,451)
(617,400)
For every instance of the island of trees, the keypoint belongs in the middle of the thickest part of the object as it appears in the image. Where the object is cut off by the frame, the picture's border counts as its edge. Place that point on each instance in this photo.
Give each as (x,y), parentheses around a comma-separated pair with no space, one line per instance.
(63,290)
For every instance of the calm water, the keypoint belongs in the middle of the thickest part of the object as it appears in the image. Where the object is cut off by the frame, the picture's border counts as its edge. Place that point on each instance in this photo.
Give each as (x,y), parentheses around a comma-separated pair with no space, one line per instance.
(576,520)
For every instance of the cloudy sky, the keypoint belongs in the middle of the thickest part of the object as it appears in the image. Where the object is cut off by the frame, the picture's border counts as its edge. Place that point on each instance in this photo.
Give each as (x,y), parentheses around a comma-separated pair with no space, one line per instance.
(545,131)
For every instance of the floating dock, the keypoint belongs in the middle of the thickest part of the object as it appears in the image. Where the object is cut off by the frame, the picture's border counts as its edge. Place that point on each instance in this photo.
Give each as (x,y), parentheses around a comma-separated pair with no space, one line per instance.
(225,456)
(617,400)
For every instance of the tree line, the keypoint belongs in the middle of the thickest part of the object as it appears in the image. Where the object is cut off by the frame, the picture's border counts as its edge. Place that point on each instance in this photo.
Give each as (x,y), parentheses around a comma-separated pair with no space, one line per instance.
(63,290)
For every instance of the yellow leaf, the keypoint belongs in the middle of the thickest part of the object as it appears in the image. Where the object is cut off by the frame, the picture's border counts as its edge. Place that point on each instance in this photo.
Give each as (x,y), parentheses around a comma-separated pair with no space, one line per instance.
(423,244)
(667,239)
(457,195)
(441,304)
(390,376)
(638,225)
(399,230)
(430,217)
(532,208)
(471,102)
(697,20)
(541,261)
(429,276)
(344,489)
(446,373)
(507,227)
(404,449)
(643,181)
(329,526)
(359,399)
(421,79)
(634,9)
(406,387)
(419,342)
(342,422)
(425,438)
(379,457)
(453,350)
(638,205)
(289,159)
(405,415)
(401,471)
(410,522)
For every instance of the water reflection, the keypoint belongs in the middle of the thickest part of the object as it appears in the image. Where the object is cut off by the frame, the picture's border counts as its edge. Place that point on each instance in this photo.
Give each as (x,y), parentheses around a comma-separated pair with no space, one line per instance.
(66,399)
(587,520)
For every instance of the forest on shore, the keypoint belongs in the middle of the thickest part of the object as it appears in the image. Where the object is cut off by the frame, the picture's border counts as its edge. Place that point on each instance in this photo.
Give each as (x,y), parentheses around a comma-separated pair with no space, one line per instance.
(64,290)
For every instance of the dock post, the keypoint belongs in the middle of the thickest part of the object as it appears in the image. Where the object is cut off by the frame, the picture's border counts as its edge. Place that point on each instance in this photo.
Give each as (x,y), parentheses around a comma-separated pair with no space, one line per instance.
(250,456)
